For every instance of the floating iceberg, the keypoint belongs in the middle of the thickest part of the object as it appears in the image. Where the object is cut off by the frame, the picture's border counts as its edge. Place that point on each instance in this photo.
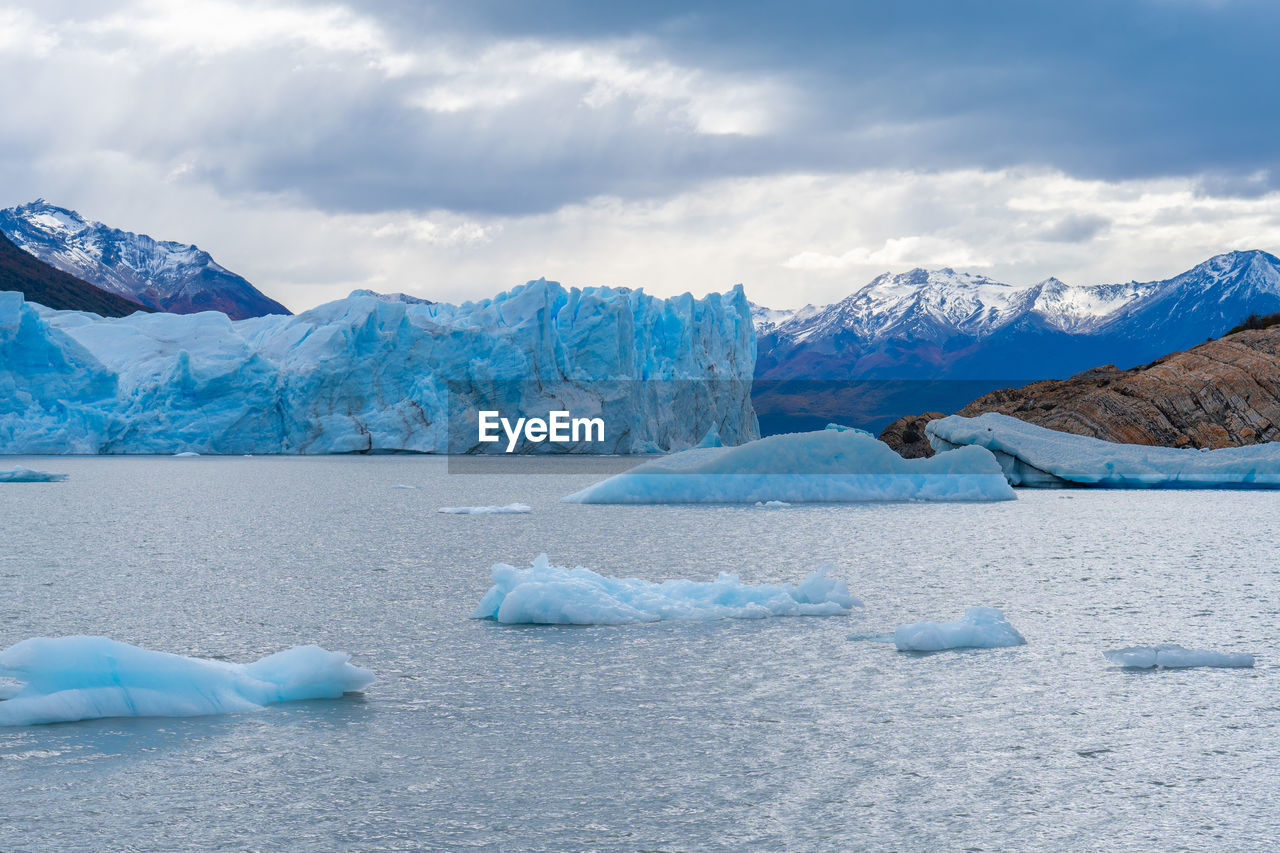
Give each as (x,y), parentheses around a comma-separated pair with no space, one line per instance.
(364,374)
(1034,456)
(509,509)
(551,595)
(980,628)
(18,474)
(824,466)
(772,504)
(1175,657)
(82,678)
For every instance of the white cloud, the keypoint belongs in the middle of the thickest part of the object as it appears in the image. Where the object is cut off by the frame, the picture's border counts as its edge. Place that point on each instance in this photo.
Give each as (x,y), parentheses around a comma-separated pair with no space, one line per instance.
(24,35)
(601,74)
(209,28)
(168,119)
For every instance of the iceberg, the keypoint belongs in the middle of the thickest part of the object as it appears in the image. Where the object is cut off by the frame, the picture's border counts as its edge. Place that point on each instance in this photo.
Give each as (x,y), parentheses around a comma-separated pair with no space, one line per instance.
(509,509)
(828,465)
(1031,455)
(18,474)
(65,679)
(552,595)
(367,375)
(979,628)
(1175,657)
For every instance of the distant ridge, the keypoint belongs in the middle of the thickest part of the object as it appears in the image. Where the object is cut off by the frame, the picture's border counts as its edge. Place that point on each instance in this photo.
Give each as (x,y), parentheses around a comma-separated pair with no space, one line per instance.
(175,277)
(39,282)
(944,324)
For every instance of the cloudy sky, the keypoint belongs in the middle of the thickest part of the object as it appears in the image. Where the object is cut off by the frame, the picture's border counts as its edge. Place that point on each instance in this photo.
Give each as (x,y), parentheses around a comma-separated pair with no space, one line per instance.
(451,150)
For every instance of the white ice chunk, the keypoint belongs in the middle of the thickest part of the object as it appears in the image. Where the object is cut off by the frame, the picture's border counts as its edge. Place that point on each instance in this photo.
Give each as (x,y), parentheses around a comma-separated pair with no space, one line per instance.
(1175,657)
(980,628)
(185,454)
(509,509)
(81,678)
(18,474)
(772,504)
(552,595)
(1034,456)
(828,465)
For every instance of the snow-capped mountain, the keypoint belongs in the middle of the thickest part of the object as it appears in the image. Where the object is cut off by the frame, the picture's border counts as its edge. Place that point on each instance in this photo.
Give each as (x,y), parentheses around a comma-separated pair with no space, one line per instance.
(931,324)
(169,276)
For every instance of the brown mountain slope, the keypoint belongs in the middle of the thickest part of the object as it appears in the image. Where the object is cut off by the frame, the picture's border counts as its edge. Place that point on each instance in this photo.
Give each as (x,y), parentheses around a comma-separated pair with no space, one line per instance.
(1221,393)
(39,282)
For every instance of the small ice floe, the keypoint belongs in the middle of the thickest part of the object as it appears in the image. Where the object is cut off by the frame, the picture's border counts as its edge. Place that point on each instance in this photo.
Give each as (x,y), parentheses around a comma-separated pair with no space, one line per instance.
(403,486)
(553,595)
(185,454)
(82,678)
(18,474)
(979,628)
(772,504)
(1173,656)
(509,509)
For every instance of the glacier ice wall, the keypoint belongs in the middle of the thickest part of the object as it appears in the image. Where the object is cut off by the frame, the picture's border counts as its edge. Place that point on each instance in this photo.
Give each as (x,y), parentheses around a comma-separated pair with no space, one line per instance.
(364,374)
(63,679)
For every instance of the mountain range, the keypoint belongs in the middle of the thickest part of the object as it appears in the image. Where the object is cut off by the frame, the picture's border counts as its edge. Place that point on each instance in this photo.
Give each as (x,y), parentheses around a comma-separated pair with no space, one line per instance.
(164,275)
(39,282)
(943,324)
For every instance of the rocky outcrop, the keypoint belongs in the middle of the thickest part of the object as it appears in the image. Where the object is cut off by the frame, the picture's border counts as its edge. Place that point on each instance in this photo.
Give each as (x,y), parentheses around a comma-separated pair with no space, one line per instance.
(906,435)
(1221,393)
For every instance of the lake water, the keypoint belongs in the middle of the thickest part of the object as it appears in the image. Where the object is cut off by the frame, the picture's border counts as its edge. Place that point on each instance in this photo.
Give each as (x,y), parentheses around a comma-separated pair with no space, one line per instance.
(773,734)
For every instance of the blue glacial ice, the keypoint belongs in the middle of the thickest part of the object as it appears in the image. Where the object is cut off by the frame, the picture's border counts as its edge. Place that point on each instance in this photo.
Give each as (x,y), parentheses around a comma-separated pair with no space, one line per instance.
(81,678)
(829,465)
(979,628)
(365,374)
(552,595)
(1175,657)
(1034,456)
(18,474)
(508,509)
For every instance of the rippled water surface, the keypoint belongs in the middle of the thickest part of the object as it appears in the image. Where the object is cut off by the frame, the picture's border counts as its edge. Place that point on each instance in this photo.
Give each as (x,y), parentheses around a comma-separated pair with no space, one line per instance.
(771,734)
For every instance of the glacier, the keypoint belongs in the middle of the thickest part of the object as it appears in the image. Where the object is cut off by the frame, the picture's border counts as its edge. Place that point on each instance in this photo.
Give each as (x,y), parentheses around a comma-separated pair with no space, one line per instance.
(979,628)
(1173,656)
(1031,455)
(553,595)
(831,465)
(63,679)
(366,374)
(18,474)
